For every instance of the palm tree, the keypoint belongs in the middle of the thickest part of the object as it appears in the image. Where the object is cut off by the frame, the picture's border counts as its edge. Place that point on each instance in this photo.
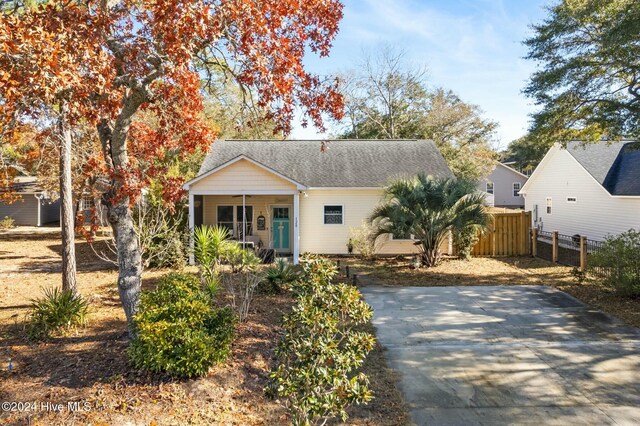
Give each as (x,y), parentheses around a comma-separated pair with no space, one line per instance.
(429,209)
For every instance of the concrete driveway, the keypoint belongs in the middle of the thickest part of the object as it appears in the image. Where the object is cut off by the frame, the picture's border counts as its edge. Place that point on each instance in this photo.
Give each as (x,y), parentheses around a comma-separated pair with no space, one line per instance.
(507,355)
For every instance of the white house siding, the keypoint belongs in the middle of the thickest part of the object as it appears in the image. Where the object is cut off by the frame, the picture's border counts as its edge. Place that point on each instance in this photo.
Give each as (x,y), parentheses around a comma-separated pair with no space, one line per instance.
(595,214)
(358,204)
(242,176)
(261,206)
(503,178)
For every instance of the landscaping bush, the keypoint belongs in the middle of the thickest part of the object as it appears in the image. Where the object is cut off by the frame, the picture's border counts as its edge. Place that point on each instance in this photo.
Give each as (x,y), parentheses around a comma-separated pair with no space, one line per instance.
(239,259)
(321,348)
(210,242)
(464,240)
(178,331)
(620,257)
(279,275)
(7,223)
(163,235)
(363,240)
(57,311)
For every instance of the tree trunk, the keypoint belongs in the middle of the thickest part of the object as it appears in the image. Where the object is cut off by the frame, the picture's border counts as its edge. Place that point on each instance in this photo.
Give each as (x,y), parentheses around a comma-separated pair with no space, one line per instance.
(129,258)
(114,145)
(67,218)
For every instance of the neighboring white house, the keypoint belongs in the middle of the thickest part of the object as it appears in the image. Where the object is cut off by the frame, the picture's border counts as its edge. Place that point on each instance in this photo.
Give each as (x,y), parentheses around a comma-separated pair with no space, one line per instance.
(586,189)
(296,197)
(502,187)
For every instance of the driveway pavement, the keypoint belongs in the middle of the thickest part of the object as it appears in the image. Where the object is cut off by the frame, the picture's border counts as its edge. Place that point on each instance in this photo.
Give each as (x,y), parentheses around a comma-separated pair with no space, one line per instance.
(507,355)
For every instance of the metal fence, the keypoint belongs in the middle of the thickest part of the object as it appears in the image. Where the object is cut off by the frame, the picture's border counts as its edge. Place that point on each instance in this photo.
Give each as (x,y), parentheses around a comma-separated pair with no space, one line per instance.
(599,271)
(545,245)
(569,250)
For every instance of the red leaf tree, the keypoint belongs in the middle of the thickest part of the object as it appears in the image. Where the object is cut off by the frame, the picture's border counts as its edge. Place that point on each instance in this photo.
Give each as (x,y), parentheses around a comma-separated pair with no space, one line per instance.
(152,56)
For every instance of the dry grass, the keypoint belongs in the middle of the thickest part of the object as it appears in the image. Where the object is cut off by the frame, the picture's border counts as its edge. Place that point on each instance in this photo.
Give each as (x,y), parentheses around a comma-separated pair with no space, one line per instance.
(91,365)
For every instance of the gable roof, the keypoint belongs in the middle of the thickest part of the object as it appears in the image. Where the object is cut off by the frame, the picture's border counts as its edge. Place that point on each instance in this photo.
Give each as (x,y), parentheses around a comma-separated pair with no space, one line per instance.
(615,165)
(343,164)
(24,185)
(512,170)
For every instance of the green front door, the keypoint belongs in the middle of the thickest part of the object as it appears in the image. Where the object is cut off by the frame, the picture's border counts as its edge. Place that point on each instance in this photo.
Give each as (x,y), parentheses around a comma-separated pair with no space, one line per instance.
(280,228)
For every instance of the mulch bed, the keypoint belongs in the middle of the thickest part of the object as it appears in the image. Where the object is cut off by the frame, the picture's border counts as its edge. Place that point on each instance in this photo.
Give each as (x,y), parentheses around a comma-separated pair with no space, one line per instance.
(91,365)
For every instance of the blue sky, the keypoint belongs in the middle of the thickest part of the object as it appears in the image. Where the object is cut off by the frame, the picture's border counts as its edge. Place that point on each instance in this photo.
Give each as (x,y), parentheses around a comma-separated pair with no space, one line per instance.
(472,47)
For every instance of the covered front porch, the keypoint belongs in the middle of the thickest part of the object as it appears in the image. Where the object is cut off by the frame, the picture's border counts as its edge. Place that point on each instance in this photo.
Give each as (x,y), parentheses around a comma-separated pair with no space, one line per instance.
(263,220)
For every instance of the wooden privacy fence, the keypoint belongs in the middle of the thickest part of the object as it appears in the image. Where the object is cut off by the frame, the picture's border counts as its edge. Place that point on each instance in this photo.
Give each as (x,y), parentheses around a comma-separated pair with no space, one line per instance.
(508,235)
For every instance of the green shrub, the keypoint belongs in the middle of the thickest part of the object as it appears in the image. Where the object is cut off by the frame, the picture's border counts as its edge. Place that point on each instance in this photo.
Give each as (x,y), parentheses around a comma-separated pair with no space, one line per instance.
(321,348)
(279,275)
(57,311)
(464,240)
(240,259)
(620,257)
(178,331)
(7,223)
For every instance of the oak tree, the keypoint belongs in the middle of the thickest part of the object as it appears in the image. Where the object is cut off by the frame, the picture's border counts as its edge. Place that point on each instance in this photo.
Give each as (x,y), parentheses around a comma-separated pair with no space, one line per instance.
(152,58)
(588,78)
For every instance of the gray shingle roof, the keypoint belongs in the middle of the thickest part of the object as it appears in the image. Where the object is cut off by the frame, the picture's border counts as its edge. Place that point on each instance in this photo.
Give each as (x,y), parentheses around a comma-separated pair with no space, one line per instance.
(24,185)
(616,165)
(345,163)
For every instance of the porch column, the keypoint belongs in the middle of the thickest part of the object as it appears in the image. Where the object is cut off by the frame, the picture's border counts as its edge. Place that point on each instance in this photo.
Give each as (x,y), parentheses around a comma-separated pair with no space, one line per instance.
(296,227)
(191,227)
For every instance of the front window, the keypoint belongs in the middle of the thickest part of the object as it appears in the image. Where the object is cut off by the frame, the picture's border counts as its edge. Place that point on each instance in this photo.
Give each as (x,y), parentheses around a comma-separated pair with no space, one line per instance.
(489,187)
(225,217)
(516,189)
(333,215)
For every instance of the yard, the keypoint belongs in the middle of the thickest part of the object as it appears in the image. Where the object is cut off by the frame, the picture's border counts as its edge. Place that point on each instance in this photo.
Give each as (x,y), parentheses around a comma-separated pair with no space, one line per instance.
(91,366)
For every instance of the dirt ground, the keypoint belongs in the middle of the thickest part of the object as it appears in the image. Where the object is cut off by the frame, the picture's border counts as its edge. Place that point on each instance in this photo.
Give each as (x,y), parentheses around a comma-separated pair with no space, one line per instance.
(90,366)
(495,271)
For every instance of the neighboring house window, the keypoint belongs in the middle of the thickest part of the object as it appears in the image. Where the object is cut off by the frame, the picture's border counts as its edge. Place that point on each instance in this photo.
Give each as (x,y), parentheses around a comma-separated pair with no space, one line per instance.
(489,187)
(516,189)
(87,202)
(333,215)
(572,200)
(548,205)
(225,217)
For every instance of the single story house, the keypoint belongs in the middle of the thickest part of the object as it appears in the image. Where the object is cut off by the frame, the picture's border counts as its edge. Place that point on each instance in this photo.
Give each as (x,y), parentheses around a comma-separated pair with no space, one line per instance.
(33,206)
(299,196)
(502,187)
(590,189)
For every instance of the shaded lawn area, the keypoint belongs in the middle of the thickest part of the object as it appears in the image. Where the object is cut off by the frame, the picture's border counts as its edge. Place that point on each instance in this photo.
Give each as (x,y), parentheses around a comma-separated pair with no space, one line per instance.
(486,271)
(91,365)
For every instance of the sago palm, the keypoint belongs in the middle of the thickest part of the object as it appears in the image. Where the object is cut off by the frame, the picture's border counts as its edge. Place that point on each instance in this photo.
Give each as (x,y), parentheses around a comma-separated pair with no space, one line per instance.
(429,208)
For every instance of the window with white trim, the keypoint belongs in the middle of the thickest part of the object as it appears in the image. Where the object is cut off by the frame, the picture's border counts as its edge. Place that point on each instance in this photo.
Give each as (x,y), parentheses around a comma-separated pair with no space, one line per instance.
(88,202)
(333,215)
(549,203)
(489,188)
(516,188)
